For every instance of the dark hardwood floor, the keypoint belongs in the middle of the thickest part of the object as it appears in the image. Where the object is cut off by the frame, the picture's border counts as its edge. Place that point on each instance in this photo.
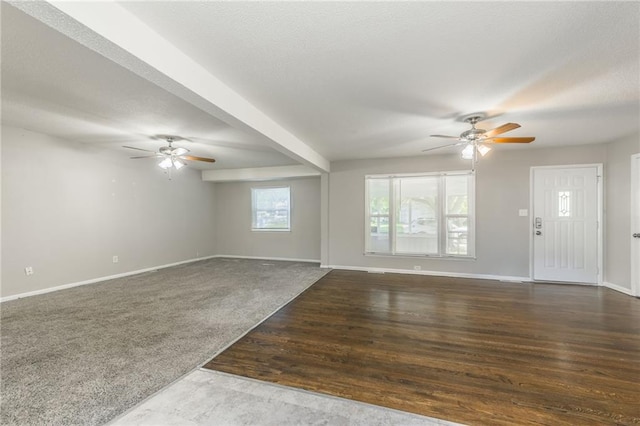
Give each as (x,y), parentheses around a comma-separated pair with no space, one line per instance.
(470,351)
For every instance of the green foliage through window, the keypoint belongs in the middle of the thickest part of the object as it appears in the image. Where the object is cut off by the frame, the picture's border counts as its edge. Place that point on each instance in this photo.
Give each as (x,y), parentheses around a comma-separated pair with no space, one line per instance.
(271,209)
(428,214)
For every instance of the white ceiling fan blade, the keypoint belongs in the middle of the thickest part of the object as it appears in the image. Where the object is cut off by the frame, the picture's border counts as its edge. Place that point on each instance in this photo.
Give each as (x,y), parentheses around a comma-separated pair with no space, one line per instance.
(443,146)
(139,149)
(444,136)
(179,151)
(146,156)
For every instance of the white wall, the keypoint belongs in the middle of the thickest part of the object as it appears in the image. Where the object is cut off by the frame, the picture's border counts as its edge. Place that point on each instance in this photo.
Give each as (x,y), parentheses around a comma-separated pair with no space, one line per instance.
(233,218)
(618,211)
(502,188)
(67,208)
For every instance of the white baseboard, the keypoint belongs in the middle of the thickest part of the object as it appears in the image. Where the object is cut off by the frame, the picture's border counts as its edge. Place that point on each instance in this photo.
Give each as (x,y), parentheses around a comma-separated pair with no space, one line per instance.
(140,271)
(287,259)
(97,280)
(617,287)
(284,259)
(507,278)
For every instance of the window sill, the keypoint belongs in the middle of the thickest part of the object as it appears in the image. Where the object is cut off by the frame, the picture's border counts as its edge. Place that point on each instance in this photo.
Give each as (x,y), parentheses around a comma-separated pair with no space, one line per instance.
(423,256)
(270,230)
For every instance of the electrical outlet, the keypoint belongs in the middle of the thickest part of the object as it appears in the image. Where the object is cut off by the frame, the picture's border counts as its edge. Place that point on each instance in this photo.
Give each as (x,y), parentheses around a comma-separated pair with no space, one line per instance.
(28,270)
(115,259)
(417,268)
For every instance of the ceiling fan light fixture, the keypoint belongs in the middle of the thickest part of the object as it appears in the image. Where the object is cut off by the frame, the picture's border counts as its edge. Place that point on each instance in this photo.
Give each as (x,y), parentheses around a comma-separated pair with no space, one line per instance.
(483,149)
(467,152)
(178,164)
(165,164)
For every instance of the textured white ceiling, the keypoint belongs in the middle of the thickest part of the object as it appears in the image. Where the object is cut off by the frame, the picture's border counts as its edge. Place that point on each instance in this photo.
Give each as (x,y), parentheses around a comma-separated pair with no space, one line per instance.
(372,79)
(350,79)
(54,85)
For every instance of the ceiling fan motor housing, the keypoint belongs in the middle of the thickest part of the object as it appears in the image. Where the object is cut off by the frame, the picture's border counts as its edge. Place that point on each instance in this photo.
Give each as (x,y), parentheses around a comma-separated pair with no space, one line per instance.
(472,134)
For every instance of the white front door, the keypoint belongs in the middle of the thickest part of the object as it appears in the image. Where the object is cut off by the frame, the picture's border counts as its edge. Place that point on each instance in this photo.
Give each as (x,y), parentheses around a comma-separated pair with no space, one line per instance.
(635,224)
(565,224)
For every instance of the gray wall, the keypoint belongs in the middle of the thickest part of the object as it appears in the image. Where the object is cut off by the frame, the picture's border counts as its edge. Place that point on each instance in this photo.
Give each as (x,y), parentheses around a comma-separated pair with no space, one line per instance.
(233,215)
(618,210)
(67,208)
(502,187)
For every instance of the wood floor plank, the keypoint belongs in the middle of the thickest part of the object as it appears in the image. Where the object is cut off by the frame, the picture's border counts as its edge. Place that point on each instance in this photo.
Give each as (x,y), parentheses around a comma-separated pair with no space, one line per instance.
(471,351)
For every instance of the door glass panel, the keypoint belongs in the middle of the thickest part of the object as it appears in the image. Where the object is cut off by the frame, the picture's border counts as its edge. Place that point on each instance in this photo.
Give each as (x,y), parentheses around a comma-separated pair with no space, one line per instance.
(564,203)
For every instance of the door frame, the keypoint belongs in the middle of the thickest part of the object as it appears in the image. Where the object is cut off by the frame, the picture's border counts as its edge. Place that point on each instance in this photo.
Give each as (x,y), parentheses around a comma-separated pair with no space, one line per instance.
(635,177)
(600,214)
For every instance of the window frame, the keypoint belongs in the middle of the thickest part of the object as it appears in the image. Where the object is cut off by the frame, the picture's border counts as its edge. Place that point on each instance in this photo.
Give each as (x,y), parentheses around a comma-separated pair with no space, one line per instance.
(442,215)
(254,210)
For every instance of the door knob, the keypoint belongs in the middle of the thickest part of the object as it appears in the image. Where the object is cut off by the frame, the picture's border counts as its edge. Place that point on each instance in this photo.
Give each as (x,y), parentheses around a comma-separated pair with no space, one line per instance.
(538,232)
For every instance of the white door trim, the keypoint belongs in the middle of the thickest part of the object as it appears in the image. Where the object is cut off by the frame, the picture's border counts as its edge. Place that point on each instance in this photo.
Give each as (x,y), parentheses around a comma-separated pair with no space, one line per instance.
(600,207)
(634,227)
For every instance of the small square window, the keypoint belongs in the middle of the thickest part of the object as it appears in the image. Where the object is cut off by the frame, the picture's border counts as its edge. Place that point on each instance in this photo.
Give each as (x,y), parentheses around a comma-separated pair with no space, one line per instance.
(271,209)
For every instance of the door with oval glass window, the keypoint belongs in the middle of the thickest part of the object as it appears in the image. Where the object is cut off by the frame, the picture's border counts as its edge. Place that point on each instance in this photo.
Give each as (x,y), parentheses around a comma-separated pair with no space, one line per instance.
(565,224)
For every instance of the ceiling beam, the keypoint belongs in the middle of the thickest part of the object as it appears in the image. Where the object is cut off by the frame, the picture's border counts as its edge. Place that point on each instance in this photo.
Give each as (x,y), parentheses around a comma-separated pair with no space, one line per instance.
(120,36)
(258,174)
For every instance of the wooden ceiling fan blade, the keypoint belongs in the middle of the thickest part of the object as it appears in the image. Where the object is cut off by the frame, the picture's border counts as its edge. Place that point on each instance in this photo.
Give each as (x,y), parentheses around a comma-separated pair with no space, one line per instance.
(443,146)
(194,158)
(139,149)
(512,140)
(500,129)
(444,136)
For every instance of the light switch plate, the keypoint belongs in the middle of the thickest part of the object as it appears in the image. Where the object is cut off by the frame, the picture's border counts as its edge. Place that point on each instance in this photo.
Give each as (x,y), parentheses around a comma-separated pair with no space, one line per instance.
(523,212)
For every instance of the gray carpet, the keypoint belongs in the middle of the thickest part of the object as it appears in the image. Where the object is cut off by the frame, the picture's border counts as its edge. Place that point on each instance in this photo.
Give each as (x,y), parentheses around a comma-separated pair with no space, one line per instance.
(86,354)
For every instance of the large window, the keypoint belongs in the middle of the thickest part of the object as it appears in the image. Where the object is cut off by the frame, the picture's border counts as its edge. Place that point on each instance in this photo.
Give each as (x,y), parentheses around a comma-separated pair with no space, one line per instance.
(271,209)
(422,215)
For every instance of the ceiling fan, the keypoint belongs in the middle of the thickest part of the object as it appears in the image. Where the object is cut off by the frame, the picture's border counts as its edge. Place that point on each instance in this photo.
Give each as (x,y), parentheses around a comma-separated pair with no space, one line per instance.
(477,141)
(171,156)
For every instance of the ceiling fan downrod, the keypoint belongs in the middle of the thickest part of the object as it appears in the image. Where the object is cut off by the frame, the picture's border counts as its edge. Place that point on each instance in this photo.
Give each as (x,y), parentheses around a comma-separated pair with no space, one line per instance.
(473,134)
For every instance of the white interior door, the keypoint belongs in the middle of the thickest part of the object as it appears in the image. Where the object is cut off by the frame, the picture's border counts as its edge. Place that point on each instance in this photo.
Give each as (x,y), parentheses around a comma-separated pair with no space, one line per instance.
(565,224)
(635,224)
